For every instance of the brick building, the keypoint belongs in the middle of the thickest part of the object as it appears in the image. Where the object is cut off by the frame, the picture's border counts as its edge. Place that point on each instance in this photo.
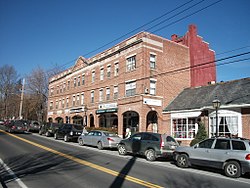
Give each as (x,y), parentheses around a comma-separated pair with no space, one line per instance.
(129,84)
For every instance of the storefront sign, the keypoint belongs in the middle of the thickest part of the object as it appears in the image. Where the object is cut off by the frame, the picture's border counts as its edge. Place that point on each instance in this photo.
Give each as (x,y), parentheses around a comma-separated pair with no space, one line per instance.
(107,105)
(110,110)
(76,110)
(152,102)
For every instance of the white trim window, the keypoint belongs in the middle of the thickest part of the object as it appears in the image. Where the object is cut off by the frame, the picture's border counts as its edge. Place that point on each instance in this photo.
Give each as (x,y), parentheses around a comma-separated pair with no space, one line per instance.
(78,100)
(152,87)
(229,123)
(92,96)
(116,71)
(115,92)
(107,93)
(108,71)
(83,79)
(51,105)
(67,102)
(131,63)
(130,88)
(63,103)
(101,73)
(152,61)
(101,95)
(75,82)
(93,76)
(79,81)
(184,128)
(82,99)
(73,100)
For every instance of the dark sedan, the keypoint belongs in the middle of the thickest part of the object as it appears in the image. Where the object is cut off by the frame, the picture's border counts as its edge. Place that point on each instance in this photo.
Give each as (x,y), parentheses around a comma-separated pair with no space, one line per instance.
(16,126)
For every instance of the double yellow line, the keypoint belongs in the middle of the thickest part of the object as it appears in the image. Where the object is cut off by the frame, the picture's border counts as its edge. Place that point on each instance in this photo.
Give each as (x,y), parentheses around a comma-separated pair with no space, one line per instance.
(86,163)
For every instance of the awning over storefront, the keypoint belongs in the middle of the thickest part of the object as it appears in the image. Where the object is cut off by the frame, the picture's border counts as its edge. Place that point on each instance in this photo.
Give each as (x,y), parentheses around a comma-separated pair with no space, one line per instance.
(185,114)
(110,110)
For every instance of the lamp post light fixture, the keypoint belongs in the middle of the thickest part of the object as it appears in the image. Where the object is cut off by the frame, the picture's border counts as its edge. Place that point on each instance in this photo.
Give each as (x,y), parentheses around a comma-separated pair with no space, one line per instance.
(85,108)
(216,105)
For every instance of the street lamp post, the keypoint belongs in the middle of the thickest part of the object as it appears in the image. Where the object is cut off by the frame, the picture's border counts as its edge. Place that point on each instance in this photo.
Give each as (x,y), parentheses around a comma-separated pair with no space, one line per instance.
(216,105)
(85,115)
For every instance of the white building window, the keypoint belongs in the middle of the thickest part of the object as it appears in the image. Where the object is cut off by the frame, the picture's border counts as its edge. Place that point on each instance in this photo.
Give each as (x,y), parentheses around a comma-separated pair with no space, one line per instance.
(116,71)
(130,88)
(152,87)
(101,95)
(83,79)
(184,128)
(78,81)
(152,61)
(62,103)
(74,100)
(93,76)
(51,105)
(107,94)
(75,82)
(101,74)
(109,71)
(131,63)
(78,100)
(92,96)
(229,123)
(115,92)
(82,99)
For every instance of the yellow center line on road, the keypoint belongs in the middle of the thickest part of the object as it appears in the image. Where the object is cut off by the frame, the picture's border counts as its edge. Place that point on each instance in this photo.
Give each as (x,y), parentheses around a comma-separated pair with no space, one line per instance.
(86,163)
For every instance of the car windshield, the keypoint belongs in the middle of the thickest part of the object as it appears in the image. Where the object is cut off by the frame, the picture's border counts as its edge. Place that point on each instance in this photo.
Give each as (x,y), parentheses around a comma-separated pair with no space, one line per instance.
(110,134)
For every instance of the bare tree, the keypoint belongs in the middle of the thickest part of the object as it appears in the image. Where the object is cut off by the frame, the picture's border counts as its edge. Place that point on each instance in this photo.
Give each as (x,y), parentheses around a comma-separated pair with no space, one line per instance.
(9,92)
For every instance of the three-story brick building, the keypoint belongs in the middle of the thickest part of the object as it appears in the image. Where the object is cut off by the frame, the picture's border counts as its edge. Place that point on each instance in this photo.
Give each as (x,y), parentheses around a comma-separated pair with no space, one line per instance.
(131,83)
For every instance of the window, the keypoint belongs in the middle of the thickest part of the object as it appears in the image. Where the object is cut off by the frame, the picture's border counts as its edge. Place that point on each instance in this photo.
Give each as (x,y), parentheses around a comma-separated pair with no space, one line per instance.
(51,105)
(228,123)
(130,88)
(68,84)
(83,79)
(64,87)
(101,95)
(115,92)
(116,71)
(62,103)
(101,74)
(107,94)
(131,63)
(152,87)
(51,91)
(79,81)
(184,127)
(152,61)
(75,82)
(238,145)
(61,88)
(57,89)
(78,100)
(206,143)
(67,102)
(109,71)
(92,96)
(56,104)
(74,100)
(82,99)
(93,76)
(222,144)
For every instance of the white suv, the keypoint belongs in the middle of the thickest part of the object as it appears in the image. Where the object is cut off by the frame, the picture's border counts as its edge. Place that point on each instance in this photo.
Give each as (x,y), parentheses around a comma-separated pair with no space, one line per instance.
(230,154)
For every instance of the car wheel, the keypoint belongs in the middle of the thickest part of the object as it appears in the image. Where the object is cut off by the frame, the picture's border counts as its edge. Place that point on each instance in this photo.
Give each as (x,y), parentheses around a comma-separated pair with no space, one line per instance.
(122,149)
(182,161)
(150,155)
(55,136)
(99,145)
(66,138)
(232,169)
(80,142)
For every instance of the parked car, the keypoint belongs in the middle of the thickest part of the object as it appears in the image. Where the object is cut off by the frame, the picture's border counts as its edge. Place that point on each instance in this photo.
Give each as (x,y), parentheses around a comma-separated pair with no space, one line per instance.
(101,139)
(150,145)
(49,129)
(16,126)
(33,126)
(229,154)
(68,132)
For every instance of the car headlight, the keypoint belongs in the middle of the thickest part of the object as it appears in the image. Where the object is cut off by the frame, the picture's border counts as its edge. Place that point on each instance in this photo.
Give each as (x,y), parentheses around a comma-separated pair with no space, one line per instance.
(71,133)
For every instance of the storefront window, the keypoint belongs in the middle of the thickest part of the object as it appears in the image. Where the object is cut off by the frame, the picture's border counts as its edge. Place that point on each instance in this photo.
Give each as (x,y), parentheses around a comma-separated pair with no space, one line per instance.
(184,128)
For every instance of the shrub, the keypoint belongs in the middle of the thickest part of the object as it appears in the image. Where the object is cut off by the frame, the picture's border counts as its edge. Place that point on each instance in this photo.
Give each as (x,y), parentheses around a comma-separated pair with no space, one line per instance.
(201,134)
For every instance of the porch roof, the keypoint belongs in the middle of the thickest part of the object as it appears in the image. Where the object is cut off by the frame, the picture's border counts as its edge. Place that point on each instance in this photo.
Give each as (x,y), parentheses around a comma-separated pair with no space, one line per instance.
(232,93)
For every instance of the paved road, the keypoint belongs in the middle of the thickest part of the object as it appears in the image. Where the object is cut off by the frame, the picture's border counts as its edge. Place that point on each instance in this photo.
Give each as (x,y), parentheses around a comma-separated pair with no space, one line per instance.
(34,161)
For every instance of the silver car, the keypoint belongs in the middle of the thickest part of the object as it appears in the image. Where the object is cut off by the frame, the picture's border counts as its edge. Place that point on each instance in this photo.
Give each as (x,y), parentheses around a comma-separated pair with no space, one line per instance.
(230,154)
(101,139)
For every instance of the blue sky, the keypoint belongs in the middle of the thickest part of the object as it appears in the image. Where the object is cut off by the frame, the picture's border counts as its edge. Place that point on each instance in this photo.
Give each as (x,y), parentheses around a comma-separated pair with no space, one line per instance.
(45,33)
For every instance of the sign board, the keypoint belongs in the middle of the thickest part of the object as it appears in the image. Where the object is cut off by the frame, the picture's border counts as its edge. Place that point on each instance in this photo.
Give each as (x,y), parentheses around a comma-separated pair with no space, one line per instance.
(152,102)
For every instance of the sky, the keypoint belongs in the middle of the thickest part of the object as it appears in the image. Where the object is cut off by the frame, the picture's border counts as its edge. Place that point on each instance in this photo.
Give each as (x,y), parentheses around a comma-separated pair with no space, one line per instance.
(54,33)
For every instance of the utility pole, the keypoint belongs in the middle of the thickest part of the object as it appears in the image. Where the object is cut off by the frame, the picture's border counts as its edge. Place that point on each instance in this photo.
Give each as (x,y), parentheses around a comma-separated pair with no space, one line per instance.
(21,102)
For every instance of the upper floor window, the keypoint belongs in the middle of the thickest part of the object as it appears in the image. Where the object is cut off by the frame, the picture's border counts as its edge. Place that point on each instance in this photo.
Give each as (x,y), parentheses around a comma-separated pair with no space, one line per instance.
(101,95)
(115,92)
(62,103)
(73,100)
(78,99)
(107,94)
(152,61)
(67,102)
(51,91)
(68,84)
(83,79)
(131,63)
(93,76)
(51,105)
(152,87)
(57,89)
(101,74)
(130,88)
(79,81)
(64,86)
(56,104)
(109,71)
(82,98)
(92,96)
(75,82)
(116,71)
